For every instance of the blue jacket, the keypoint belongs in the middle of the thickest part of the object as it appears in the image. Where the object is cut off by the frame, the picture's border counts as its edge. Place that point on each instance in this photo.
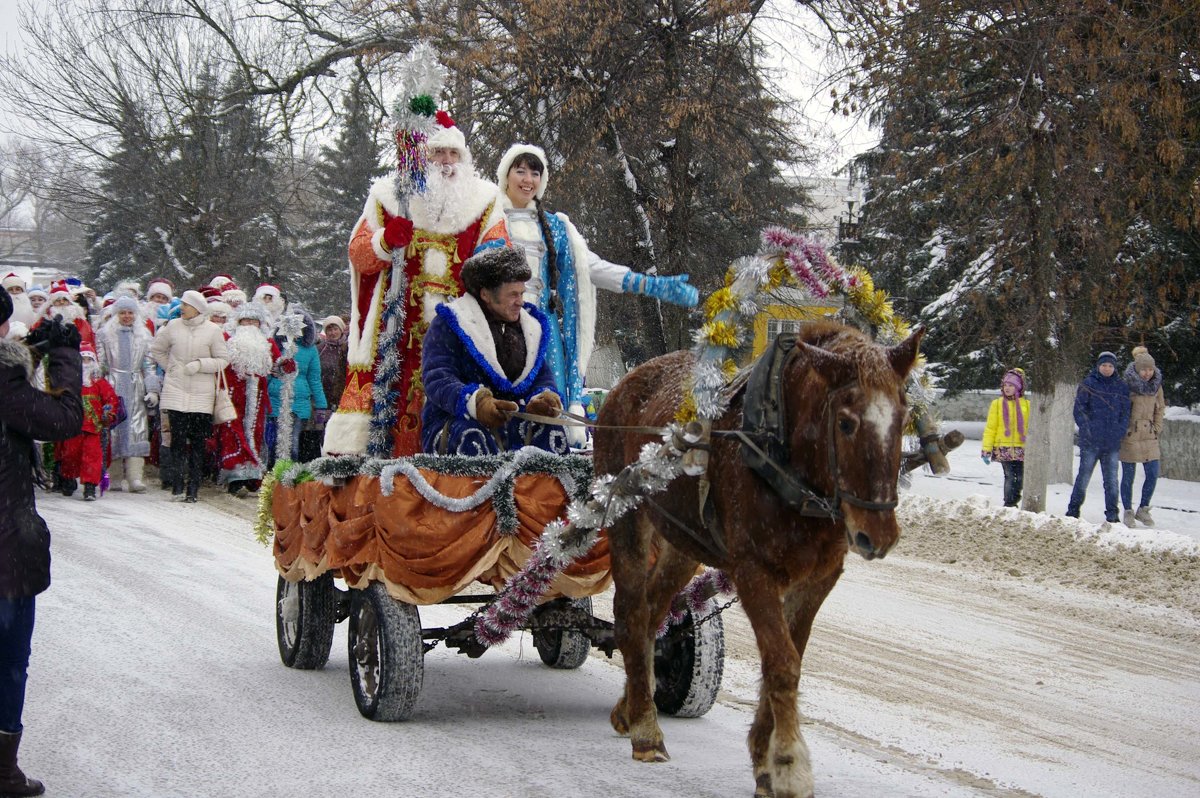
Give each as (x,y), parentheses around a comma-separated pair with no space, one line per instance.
(308,393)
(1102,411)
(457,359)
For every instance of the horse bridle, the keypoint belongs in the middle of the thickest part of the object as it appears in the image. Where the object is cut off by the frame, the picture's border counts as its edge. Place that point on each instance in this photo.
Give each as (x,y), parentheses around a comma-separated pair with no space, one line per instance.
(764,419)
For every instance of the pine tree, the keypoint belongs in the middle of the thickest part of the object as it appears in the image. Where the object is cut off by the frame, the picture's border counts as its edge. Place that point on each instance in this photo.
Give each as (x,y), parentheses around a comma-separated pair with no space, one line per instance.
(121,236)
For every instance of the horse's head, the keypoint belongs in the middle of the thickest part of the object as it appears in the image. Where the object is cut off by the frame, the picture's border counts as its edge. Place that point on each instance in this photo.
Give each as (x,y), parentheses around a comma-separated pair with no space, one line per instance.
(846,408)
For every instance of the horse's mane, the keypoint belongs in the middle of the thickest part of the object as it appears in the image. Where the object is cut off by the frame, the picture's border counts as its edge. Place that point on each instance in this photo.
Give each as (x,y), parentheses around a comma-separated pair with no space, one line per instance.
(870,359)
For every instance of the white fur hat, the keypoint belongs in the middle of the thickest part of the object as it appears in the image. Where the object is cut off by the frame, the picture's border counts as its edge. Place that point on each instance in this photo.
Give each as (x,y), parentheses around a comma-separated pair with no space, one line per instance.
(160,286)
(219,308)
(11,279)
(264,290)
(446,134)
(196,300)
(220,281)
(37,290)
(335,320)
(251,310)
(234,296)
(506,162)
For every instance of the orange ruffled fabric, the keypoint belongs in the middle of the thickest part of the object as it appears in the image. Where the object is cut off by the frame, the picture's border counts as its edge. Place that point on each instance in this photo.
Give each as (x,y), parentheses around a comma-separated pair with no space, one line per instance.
(421,552)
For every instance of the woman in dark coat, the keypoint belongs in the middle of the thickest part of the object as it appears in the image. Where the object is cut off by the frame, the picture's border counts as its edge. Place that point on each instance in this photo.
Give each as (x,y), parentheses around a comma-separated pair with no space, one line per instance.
(27,414)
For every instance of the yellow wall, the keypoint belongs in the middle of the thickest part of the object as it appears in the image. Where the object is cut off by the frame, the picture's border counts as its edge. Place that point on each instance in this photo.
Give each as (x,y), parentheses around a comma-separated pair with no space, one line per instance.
(787,313)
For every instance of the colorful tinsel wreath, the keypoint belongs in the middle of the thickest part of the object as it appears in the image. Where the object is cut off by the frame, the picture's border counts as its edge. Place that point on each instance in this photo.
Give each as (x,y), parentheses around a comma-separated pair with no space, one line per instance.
(784,259)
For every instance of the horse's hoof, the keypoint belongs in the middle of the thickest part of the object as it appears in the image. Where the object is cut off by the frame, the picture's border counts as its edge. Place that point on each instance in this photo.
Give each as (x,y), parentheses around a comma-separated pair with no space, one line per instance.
(618,720)
(650,752)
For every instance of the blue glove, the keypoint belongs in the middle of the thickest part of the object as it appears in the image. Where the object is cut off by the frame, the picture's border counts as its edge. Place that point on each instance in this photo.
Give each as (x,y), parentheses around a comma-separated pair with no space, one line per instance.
(674,289)
(987,458)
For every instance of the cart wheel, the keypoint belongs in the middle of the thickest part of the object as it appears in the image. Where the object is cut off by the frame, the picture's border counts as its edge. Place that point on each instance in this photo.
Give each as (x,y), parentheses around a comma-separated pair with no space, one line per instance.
(565,650)
(387,659)
(688,665)
(305,614)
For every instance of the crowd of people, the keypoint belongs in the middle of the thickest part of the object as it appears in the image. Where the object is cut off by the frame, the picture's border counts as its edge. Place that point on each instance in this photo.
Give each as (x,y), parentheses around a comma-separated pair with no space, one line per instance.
(153,367)
(1119,415)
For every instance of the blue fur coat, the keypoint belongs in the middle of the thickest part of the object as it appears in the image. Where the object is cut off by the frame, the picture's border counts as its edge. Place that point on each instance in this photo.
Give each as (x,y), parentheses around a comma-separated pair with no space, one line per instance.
(457,360)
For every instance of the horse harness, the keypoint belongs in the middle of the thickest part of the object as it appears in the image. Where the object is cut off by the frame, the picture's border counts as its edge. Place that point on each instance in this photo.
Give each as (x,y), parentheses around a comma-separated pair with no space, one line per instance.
(764,438)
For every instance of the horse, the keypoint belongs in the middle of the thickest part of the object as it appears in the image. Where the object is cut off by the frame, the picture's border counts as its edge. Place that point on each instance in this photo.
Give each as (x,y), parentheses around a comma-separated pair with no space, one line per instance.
(843,406)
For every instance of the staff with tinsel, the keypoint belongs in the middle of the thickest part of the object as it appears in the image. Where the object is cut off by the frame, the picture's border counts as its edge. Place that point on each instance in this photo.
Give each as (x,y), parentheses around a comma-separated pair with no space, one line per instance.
(422,76)
(290,329)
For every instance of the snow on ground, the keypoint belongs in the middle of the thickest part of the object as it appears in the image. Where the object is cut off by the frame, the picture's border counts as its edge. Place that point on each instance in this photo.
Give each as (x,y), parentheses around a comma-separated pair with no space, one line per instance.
(994,653)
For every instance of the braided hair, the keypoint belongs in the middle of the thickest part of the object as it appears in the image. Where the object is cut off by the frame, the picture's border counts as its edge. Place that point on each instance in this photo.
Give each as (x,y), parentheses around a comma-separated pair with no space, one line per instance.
(531,161)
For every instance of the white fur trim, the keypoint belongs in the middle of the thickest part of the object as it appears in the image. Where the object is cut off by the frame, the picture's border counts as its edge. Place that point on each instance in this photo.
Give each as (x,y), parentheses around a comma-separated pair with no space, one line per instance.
(470,317)
(159,287)
(586,295)
(507,159)
(11,279)
(346,433)
(472,401)
(449,137)
(380,246)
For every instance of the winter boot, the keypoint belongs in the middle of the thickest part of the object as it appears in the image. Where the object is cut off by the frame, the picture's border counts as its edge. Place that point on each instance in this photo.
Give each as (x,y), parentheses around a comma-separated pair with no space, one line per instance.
(1143,515)
(134,468)
(193,493)
(1127,518)
(12,781)
(89,492)
(69,486)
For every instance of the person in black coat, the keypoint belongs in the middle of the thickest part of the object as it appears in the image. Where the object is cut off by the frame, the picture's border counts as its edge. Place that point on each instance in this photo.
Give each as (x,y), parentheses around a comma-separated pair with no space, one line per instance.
(27,414)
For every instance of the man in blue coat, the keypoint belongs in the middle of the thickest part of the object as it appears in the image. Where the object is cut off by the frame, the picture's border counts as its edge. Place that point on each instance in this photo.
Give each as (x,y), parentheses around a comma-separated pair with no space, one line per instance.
(483,359)
(1102,415)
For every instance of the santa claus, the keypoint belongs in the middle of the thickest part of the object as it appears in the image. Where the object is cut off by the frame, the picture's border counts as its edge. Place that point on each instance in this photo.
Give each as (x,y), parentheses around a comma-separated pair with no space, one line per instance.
(438,230)
(63,303)
(240,442)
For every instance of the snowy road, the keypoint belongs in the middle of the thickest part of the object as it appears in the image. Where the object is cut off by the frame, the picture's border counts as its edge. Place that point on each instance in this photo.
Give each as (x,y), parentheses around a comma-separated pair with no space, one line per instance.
(155,673)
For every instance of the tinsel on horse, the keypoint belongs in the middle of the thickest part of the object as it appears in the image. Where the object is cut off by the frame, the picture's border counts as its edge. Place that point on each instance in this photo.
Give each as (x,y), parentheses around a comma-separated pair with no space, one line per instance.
(824,483)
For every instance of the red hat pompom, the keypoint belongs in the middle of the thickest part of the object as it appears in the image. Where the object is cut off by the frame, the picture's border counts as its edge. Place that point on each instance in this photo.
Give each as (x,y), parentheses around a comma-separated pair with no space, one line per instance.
(444,119)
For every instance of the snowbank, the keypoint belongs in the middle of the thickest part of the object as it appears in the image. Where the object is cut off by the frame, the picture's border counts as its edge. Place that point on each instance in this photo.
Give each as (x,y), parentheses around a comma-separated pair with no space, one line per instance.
(1150,566)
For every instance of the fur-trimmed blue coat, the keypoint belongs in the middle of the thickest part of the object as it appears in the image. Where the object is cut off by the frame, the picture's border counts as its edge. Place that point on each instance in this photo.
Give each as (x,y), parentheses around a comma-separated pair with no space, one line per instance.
(458,359)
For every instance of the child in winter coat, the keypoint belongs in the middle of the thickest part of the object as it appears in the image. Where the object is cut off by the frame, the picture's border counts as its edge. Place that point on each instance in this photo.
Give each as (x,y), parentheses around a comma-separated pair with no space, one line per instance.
(1004,435)
(82,457)
(1140,444)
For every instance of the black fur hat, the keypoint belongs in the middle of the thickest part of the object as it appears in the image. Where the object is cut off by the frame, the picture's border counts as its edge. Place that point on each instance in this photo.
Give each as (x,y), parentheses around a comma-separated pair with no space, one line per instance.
(493,268)
(6,306)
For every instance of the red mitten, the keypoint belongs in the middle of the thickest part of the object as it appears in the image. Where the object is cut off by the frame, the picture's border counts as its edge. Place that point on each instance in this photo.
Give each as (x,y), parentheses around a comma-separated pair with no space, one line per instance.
(398,232)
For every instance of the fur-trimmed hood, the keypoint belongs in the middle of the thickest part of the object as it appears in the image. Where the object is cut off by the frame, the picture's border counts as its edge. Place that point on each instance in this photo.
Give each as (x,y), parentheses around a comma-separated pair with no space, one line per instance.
(16,354)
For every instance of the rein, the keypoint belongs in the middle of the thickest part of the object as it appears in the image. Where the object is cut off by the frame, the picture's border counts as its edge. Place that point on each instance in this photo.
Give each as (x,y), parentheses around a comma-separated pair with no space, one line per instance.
(764,419)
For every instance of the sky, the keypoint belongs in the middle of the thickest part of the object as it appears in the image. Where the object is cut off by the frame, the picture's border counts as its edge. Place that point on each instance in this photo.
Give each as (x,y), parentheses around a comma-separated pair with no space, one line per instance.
(797,65)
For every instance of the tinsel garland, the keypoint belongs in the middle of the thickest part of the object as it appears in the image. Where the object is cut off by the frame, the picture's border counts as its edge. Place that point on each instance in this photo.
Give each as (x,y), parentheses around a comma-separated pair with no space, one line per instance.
(500,487)
(695,596)
(573,472)
(784,257)
(264,519)
(421,77)
(291,328)
(564,541)
(385,390)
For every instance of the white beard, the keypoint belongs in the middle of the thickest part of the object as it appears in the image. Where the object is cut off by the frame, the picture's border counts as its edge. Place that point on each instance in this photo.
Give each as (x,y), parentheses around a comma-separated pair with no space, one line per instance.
(69,312)
(22,310)
(249,352)
(449,203)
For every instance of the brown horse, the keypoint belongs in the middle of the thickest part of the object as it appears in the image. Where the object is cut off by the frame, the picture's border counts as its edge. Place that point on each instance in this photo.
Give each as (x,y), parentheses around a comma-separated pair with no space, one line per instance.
(844,417)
